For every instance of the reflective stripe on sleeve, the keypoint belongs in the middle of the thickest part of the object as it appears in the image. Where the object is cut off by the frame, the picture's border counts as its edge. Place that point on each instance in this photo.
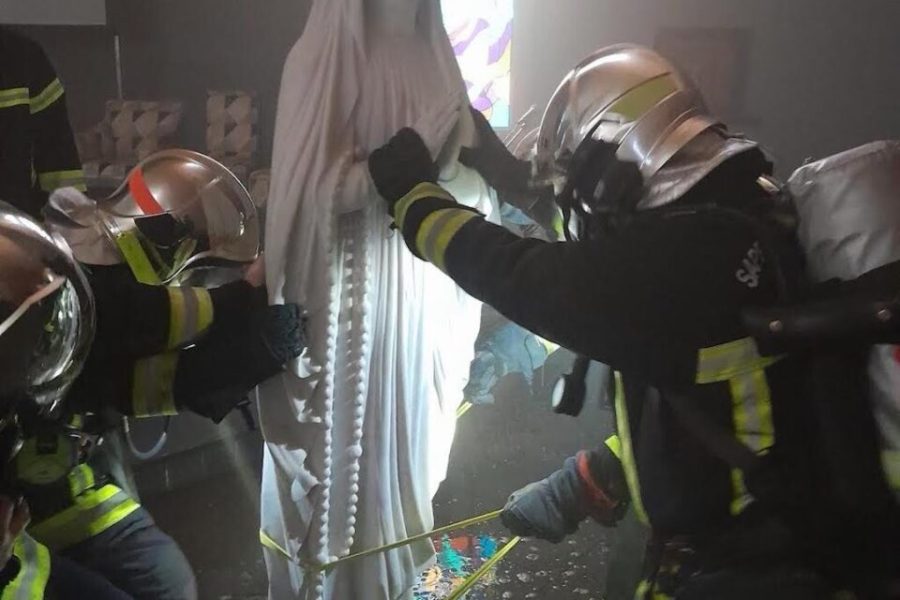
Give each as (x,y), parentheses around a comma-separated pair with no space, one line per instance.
(154,378)
(436,232)
(421,191)
(190,314)
(93,513)
(47,97)
(13,97)
(53,180)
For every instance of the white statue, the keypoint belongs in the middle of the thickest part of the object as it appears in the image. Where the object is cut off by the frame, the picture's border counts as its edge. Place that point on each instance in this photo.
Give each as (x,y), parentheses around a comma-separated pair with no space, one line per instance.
(359,433)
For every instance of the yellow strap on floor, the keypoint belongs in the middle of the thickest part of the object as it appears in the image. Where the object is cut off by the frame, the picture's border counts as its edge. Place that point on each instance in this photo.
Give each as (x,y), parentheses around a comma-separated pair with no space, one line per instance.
(410,540)
(475,577)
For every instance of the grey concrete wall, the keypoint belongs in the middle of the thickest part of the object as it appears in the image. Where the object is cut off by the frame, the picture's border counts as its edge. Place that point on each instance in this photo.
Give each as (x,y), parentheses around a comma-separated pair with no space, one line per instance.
(53,12)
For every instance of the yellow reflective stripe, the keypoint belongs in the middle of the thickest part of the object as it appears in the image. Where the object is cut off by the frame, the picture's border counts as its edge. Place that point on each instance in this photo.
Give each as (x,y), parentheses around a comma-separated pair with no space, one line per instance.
(31,582)
(271,544)
(436,232)
(615,446)
(93,513)
(151,391)
(751,401)
(628,463)
(636,102)
(465,407)
(81,479)
(42,572)
(423,190)
(13,97)
(724,362)
(645,591)
(891,461)
(137,260)
(740,497)
(549,347)
(47,97)
(53,180)
(446,236)
(190,314)
(558,225)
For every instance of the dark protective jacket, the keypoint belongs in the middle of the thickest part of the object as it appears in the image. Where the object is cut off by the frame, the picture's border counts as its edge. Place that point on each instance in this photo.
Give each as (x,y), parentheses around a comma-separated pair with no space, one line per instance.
(37,147)
(660,301)
(157,350)
(162,349)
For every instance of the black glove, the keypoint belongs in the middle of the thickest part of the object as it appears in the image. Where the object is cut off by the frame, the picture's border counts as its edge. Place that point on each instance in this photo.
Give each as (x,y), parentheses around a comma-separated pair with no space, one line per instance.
(400,165)
(493,160)
(215,376)
(280,335)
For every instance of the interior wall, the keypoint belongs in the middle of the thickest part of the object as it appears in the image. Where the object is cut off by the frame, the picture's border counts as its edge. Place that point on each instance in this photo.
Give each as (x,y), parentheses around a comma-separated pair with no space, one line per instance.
(822,74)
(53,12)
(181,48)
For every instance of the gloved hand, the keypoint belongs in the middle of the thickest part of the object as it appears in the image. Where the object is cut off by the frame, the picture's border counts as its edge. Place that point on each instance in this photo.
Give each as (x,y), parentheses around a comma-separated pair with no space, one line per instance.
(550,509)
(400,165)
(408,159)
(278,335)
(493,160)
(215,375)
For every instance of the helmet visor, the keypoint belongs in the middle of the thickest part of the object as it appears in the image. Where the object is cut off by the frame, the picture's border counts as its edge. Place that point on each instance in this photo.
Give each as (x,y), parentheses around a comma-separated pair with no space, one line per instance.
(46,319)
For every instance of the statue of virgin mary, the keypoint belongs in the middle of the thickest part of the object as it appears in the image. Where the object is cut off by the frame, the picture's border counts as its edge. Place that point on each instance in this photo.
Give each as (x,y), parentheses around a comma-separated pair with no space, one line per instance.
(358,432)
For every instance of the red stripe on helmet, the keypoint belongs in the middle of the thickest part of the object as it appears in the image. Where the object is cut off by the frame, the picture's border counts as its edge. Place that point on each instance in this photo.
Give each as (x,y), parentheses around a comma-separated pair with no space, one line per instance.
(142,195)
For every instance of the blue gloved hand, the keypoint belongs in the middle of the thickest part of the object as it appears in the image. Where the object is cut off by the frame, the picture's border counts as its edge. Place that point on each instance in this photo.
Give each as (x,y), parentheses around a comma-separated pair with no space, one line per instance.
(550,509)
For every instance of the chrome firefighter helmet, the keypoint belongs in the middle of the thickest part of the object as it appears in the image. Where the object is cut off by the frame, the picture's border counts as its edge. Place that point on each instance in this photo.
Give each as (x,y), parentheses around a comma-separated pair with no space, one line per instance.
(46,313)
(626,95)
(626,98)
(179,213)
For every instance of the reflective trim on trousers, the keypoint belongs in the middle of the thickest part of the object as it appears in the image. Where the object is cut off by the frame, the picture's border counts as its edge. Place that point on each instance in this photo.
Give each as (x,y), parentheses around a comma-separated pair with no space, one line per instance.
(94,512)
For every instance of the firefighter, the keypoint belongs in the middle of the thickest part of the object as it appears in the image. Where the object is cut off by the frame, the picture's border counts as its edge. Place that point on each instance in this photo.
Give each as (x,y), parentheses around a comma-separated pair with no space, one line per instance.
(200,343)
(46,328)
(37,148)
(674,228)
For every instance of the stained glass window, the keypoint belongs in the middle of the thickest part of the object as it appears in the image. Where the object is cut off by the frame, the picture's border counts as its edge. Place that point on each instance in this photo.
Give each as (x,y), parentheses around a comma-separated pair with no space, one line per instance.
(481,33)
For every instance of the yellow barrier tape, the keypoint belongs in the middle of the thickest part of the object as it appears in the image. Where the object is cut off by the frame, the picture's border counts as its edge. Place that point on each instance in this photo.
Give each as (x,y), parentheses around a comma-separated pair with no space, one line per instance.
(271,544)
(463,409)
(475,577)
(410,540)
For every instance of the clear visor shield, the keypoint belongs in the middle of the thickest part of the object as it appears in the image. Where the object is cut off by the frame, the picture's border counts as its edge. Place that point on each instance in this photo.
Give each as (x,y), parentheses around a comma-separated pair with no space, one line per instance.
(178,212)
(46,321)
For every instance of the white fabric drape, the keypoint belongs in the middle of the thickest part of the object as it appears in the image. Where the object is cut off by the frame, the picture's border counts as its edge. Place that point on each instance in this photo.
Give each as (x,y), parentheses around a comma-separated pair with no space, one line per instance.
(359,432)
